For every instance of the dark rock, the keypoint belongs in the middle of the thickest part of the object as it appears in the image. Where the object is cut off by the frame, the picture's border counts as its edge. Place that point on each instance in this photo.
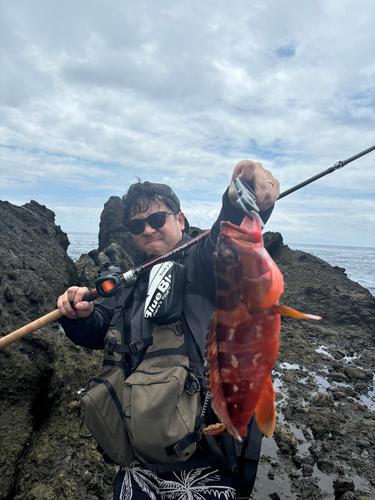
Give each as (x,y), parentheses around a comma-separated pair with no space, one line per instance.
(315,451)
(285,439)
(325,400)
(342,484)
(324,465)
(112,230)
(35,270)
(41,374)
(354,373)
(297,460)
(320,426)
(338,395)
(338,354)
(348,495)
(273,242)
(338,377)
(307,469)
(33,262)
(290,378)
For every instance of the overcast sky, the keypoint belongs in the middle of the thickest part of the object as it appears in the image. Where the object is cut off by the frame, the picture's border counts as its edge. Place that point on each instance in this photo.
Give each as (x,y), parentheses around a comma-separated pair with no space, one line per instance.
(96,93)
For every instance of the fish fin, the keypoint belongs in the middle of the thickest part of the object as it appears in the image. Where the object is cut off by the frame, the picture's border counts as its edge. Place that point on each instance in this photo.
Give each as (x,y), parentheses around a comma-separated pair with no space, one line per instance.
(265,414)
(214,429)
(292,313)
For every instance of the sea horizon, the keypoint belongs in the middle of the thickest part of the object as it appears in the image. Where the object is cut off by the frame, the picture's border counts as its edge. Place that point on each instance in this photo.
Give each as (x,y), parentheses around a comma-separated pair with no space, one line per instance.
(286,243)
(358,262)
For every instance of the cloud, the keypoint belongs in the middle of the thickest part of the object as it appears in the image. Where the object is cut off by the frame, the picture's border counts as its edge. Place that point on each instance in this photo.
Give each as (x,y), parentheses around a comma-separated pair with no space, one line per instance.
(96,94)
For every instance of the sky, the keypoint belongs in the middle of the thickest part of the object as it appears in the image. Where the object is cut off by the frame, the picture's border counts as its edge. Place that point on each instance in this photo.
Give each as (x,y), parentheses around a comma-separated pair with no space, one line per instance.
(95,94)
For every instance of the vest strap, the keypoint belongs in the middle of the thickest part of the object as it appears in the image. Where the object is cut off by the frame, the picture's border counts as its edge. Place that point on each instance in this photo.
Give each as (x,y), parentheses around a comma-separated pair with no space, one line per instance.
(133,348)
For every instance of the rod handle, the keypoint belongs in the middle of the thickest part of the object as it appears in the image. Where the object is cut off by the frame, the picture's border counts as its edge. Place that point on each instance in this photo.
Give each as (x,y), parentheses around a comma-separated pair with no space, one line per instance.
(91,295)
(30,327)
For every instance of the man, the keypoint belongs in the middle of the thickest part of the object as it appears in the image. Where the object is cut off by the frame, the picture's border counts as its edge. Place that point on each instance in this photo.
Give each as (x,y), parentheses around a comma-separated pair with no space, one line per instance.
(153,215)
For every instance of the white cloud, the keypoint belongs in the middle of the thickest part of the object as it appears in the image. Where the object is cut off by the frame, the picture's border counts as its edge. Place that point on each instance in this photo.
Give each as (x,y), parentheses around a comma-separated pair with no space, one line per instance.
(95,94)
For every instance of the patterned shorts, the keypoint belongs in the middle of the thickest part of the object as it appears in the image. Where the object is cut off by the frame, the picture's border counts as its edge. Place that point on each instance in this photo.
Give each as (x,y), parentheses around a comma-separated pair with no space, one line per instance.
(136,483)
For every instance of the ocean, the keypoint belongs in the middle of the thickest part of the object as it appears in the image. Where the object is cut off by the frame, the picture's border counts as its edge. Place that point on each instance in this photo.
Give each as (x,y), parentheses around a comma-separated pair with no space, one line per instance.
(359,262)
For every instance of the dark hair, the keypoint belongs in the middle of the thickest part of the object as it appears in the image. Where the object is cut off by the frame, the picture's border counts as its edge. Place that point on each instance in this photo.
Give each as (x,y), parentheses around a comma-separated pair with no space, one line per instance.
(141,194)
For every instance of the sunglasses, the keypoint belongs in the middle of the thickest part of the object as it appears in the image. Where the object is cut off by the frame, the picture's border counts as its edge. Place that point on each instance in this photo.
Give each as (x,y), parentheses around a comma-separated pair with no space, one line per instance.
(155,220)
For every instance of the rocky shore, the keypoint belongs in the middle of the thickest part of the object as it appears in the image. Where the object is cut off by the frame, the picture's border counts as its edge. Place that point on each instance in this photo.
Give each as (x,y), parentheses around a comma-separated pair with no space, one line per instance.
(324,444)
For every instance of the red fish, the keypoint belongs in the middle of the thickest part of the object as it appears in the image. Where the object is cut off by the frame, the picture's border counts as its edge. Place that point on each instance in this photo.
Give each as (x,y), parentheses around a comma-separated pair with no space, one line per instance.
(243,336)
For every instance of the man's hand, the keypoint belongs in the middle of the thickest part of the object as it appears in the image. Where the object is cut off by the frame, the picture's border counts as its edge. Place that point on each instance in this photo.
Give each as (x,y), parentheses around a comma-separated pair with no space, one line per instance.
(266,187)
(75,295)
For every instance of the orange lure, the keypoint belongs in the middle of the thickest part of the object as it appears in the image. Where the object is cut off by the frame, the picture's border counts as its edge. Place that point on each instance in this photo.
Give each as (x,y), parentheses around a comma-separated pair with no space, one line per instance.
(243,336)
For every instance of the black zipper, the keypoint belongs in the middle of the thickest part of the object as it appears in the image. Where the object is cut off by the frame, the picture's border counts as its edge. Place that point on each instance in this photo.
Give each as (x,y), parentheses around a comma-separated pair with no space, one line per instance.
(112,393)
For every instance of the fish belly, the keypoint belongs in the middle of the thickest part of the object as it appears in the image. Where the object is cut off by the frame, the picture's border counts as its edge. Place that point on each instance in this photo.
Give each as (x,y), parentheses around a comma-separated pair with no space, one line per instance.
(245,354)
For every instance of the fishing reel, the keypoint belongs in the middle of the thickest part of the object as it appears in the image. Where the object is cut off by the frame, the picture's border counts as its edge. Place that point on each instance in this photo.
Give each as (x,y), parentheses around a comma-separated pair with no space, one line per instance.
(109,280)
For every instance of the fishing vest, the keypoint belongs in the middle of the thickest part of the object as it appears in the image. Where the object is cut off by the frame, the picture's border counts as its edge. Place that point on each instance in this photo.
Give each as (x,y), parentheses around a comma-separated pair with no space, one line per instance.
(155,412)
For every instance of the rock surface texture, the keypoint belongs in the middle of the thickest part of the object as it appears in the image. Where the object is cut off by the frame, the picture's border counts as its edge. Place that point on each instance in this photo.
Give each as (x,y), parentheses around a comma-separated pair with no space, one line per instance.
(324,443)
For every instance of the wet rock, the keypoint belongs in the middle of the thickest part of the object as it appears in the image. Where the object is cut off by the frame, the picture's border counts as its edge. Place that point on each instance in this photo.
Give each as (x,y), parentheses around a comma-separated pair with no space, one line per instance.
(308,460)
(315,451)
(338,354)
(338,377)
(320,426)
(274,496)
(307,469)
(358,374)
(325,400)
(343,484)
(87,271)
(338,395)
(290,378)
(324,465)
(348,495)
(363,443)
(285,439)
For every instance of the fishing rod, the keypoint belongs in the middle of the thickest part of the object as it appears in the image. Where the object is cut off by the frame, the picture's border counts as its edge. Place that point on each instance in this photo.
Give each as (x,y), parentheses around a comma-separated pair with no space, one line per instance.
(336,166)
(110,284)
(112,281)
(246,199)
(106,286)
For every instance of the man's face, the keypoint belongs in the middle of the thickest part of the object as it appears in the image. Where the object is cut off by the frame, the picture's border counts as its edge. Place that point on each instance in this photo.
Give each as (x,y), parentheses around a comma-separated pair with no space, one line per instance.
(158,241)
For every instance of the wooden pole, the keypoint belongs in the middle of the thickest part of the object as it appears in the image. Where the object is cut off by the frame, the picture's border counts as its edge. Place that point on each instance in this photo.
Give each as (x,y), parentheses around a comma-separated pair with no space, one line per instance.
(31,327)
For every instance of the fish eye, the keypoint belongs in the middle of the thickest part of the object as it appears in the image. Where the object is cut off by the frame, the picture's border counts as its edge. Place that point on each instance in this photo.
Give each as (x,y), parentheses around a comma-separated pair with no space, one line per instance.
(229,256)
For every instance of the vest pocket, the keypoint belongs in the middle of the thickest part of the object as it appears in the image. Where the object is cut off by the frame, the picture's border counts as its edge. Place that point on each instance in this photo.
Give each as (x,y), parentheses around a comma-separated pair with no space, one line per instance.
(158,410)
(104,417)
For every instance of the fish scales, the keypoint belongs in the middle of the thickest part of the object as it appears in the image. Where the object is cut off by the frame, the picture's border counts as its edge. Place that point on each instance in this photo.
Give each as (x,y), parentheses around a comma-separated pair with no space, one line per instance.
(243,336)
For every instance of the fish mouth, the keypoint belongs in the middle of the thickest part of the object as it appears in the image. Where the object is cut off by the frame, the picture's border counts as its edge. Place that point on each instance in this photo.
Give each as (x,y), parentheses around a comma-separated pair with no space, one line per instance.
(250,229)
